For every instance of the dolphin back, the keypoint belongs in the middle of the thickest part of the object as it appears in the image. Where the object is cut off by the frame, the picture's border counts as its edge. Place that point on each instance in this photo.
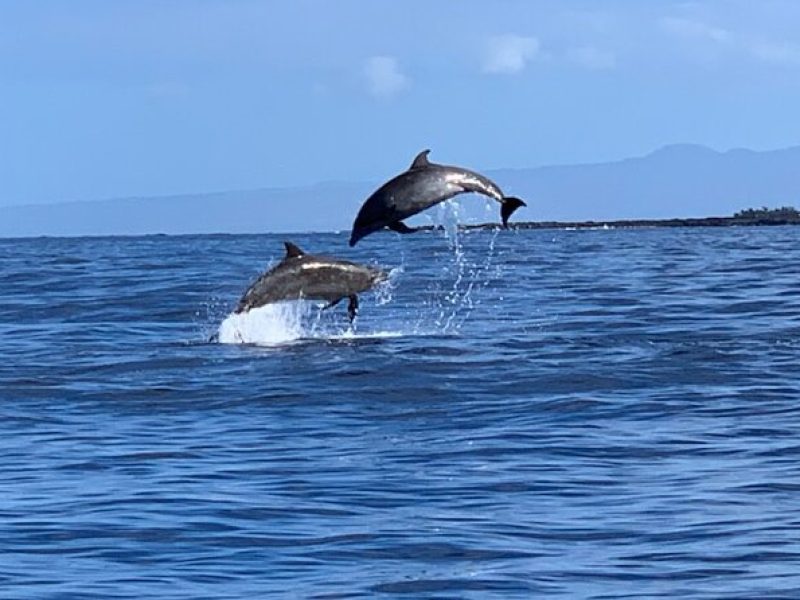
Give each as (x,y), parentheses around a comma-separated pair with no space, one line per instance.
(414,191)
(309,277)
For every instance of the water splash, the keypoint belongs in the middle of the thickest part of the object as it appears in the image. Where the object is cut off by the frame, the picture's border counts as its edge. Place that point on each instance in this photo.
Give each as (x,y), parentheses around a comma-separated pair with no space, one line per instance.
(269,325)
(291,322)
(286,322)
(384,291)
(468,274)
(449,215)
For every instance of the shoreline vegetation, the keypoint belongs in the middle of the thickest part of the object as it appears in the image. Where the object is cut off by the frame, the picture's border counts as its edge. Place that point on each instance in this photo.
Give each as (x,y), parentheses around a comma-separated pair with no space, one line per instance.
(751,217)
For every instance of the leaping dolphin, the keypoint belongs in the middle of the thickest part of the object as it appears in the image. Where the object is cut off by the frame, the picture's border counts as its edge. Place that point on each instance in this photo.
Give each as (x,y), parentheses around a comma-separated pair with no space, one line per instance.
(421,186)
(305,276)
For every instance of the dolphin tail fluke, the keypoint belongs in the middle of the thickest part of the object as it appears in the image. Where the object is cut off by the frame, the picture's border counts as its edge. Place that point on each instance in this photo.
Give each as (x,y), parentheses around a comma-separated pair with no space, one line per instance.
(509,205)
(400,227)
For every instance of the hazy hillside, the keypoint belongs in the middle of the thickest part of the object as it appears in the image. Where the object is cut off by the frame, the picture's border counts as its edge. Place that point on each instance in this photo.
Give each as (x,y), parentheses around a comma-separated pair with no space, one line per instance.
(675,181)
(251,211)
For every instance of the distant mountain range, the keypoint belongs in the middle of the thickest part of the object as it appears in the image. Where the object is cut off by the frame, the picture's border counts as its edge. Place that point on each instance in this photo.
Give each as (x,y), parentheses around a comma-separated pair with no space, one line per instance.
(681,180)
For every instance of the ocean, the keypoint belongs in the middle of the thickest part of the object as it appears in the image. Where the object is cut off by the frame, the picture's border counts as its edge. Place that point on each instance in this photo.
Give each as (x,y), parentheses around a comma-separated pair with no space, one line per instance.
(515,414)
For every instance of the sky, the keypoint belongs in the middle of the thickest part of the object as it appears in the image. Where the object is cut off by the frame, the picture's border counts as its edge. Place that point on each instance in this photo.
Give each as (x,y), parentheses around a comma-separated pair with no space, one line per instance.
(129,98)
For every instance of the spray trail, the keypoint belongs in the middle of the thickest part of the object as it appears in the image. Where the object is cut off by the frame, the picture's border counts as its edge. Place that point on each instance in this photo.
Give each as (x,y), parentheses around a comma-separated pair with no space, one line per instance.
(468,275)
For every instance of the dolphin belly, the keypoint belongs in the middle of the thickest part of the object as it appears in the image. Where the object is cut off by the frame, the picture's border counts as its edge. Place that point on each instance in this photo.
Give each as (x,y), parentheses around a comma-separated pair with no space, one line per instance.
(401,198)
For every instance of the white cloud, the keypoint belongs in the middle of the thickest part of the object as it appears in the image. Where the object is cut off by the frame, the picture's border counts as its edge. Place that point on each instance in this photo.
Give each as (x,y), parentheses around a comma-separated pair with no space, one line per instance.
(509,54)
(735,43)
(384,77)
(695,29)
(592,58)
(784,53)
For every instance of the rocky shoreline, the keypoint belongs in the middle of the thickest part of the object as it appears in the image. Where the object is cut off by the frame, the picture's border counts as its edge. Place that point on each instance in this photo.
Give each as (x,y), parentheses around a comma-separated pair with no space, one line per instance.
(633,223)
(641,223)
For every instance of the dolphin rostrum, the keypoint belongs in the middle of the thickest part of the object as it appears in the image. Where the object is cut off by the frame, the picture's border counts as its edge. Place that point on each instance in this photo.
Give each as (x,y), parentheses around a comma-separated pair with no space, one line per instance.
(421,186)
(305,276)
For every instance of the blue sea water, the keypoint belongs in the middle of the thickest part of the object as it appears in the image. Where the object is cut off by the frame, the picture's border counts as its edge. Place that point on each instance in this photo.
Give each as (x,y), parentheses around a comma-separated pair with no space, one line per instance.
(518,414)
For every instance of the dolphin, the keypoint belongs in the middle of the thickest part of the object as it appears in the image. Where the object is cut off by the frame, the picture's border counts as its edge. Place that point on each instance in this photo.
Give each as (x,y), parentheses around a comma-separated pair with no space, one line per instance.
(306,276)
(421,186)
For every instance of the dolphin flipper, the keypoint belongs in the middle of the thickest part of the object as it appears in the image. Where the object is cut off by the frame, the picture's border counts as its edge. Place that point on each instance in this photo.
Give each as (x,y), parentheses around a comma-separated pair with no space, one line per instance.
(332,303)
(352,307)
(400,227)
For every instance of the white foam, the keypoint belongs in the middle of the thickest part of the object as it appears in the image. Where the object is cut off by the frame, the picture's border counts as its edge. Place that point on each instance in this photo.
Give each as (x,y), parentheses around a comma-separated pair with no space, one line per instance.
(350,334)
(289,322)
(268,325)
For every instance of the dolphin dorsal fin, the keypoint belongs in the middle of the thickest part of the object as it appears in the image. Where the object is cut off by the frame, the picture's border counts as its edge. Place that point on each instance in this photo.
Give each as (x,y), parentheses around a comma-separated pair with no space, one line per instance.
(292,251)
(421,160)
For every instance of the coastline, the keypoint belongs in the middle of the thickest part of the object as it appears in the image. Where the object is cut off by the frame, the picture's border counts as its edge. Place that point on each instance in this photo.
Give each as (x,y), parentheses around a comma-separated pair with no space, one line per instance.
(641,223)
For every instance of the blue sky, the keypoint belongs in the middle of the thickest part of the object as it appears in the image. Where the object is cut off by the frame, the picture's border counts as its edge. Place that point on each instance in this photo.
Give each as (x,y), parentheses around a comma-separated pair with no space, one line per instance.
(103,99)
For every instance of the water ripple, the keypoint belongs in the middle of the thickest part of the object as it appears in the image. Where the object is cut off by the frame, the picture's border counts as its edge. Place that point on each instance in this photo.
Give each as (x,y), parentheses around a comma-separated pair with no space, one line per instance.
(578,414)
